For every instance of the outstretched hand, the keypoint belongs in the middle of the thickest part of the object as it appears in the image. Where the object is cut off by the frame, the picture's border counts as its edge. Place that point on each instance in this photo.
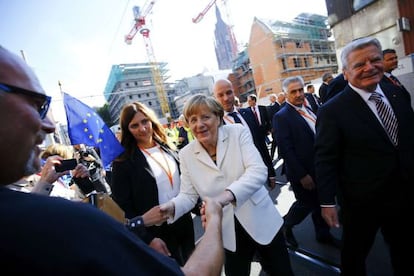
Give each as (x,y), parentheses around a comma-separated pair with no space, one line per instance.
(154,216)
(210,208)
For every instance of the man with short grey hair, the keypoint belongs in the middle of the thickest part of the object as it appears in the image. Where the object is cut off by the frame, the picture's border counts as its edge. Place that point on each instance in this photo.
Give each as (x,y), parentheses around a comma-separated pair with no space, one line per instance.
(364,160)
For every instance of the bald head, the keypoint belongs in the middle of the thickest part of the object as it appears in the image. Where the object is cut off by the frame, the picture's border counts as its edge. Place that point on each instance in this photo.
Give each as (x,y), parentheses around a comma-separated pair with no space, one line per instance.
(21,119)
(14,71)
(224,94)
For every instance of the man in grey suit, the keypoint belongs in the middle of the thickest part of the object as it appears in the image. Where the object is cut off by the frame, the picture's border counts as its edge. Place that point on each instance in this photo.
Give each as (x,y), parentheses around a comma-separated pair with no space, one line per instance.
(365,160)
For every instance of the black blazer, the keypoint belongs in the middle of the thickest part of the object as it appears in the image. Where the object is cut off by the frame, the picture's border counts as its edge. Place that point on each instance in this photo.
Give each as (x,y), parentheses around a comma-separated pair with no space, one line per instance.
(134,189)
(387,80)
(335,87)
(272,109)
(314,103)
(355,159)
(295,140)
(258,138)
(323,92)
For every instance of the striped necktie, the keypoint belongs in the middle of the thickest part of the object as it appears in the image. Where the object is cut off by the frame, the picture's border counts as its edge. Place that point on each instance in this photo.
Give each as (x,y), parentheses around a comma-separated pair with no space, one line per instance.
(387,117)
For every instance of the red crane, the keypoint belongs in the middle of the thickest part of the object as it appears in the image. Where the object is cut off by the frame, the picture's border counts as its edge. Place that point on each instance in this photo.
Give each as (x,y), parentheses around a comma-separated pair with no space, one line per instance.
(201,14)
(139,26)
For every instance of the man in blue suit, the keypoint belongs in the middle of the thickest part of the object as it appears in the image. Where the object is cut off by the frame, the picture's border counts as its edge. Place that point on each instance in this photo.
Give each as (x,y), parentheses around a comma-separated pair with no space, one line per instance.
(295,123)
(365,160)
(224,94)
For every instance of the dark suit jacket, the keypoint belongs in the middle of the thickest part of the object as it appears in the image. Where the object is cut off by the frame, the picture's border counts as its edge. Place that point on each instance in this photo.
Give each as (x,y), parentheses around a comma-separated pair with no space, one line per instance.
(323,91)
(295,140)
(335,87)
(314,103)
(355,157)
(272,109)
(258,138)
(387,80)
(265,119)
(134,189)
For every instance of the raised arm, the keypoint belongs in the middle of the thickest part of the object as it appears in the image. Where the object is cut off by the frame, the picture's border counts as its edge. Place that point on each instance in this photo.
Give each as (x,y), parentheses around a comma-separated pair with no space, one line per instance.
(208,257)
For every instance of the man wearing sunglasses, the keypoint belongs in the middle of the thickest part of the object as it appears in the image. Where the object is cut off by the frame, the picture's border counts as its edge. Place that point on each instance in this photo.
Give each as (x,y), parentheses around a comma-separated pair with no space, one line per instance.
(43,235)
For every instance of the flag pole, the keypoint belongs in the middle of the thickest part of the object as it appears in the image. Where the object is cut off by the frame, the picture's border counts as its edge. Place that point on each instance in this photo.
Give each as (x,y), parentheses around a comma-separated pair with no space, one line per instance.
(64,139)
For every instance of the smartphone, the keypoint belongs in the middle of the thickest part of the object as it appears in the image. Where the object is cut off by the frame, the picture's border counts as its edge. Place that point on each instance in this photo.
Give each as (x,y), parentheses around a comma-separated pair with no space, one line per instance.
(66,165)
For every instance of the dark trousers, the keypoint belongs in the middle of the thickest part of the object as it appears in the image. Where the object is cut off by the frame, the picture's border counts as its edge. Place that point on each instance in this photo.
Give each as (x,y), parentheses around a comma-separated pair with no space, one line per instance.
(274,257)
(273,148)
(360,227)
(306,203)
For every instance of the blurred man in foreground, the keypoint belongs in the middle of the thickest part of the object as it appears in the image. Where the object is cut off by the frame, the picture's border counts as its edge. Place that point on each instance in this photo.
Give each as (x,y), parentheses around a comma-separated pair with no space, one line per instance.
(54,236)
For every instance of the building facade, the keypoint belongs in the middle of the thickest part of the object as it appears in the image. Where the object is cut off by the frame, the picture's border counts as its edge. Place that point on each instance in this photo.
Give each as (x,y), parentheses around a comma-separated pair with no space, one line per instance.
(134,82)
(185,88)
(278,50)
(390,21)
(242,76)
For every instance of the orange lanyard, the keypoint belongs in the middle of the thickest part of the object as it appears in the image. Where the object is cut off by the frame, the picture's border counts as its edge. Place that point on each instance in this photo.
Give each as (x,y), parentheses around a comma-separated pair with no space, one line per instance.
(228,120)
(304,114)
(167,172)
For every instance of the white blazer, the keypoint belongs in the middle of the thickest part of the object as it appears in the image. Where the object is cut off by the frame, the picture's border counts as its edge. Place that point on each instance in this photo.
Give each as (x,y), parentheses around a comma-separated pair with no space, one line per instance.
(239,168)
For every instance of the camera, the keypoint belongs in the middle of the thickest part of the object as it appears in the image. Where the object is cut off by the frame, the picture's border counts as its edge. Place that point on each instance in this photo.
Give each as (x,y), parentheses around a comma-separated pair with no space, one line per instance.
(66,165)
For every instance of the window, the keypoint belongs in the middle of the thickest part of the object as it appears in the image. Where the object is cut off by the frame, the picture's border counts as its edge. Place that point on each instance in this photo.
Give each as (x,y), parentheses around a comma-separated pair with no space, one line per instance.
(360,4)
(150,103)
(306,60)
(284,65)
(297,62)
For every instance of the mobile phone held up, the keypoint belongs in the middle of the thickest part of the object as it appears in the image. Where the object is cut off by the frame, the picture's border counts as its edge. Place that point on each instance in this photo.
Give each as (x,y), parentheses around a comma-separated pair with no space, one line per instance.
(66,165)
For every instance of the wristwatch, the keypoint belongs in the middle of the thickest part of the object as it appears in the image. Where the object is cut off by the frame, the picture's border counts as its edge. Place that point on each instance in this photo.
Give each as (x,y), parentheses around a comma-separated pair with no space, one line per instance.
(135,223)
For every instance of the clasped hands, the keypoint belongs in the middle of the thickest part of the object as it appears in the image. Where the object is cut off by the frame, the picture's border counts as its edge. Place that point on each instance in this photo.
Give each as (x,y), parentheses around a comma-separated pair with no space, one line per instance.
(211,206)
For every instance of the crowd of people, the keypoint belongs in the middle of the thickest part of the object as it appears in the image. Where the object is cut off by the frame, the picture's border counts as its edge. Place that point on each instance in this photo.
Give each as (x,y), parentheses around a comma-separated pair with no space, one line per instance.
(348,154)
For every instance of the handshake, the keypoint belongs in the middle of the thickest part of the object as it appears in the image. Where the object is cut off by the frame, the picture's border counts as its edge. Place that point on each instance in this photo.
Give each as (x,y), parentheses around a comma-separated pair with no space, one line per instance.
(159,214)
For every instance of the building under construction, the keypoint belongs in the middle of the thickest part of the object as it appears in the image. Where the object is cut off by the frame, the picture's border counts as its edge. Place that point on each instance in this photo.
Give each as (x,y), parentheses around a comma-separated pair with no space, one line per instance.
(135,82)
(242,76)
(278,50)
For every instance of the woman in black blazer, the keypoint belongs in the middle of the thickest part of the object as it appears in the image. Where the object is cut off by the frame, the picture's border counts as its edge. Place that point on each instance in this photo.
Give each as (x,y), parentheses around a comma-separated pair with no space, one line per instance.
(147,175)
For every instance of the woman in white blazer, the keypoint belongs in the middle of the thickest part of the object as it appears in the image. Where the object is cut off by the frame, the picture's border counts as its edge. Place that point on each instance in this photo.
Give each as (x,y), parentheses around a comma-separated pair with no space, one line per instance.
(224,163)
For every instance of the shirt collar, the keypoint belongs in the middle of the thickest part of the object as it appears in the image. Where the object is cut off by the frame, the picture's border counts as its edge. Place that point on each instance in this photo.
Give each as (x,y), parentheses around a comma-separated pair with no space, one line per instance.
(364,94)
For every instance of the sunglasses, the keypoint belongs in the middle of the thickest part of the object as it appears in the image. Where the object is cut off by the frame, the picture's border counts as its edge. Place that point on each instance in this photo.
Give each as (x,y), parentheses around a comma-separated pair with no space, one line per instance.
(43,100)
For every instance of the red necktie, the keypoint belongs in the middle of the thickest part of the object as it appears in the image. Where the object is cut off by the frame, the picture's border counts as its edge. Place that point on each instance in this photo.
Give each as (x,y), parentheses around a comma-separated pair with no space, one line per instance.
(255,115)
(394,80)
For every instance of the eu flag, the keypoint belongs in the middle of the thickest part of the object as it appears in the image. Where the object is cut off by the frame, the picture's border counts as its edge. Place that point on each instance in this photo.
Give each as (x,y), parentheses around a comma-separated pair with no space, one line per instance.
(87,127)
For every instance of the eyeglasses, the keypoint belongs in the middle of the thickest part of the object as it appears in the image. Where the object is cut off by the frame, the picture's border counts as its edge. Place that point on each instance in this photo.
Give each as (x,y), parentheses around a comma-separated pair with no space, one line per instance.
(43,100)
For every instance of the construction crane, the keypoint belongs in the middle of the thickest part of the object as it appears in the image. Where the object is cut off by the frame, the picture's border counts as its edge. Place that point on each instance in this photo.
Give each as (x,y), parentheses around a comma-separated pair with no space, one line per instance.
(201,14)
(140,26)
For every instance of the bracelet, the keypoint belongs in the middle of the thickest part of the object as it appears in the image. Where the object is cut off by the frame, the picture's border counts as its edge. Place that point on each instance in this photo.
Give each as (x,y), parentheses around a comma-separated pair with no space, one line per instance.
(134,223)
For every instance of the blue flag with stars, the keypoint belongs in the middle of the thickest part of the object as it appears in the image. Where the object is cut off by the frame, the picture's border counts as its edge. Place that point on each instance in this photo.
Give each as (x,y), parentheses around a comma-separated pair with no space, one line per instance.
(85,126)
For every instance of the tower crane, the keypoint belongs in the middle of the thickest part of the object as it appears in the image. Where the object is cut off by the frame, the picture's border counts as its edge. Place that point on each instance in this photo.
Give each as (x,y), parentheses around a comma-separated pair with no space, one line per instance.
(201,14)
(140,26)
